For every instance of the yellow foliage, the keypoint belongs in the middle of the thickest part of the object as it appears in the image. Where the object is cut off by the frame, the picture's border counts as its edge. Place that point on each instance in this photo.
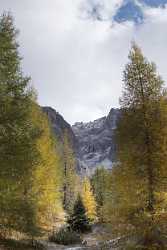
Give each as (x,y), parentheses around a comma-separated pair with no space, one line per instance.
(46,179)
(69,175)
(89,200)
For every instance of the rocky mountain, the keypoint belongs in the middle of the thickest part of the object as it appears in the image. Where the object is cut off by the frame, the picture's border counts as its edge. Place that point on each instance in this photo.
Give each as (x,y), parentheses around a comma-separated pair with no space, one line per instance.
(96,145)
(59,126)
(93,142)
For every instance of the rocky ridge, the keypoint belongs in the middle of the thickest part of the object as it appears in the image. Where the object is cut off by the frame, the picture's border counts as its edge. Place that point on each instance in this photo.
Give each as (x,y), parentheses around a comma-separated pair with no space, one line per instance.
(93,142)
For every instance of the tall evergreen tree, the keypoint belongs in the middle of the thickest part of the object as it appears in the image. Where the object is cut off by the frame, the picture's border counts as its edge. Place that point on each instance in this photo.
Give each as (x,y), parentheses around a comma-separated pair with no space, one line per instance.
(70,178)
(99,182)
(18,153)
(89,200)
(142,146)
(46,187)
(78,220)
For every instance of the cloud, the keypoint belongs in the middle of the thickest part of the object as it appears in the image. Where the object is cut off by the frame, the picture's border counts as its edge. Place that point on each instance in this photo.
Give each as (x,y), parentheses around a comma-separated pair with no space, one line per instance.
(76,63)
(101,10)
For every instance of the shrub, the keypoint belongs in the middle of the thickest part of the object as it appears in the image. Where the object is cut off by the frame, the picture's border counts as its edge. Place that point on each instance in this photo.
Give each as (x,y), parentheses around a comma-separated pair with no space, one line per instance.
(65,237)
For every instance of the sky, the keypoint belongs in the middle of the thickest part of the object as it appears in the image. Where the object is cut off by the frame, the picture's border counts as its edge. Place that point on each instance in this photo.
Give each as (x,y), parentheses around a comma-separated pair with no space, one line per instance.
(75,50)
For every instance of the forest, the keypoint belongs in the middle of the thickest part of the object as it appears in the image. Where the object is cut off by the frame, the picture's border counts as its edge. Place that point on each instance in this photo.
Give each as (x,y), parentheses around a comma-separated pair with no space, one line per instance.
(44,202)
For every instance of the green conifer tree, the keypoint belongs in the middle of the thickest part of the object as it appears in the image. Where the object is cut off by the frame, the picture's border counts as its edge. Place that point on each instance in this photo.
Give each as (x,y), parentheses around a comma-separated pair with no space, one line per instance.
(99,182)
(89,200)
(18,153)
(142,146)
(69,175)
(78,221)
(46,186)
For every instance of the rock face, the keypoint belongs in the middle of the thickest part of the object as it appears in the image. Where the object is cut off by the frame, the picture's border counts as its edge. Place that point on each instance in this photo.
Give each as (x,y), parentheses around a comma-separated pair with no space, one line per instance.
(92,142)
(59,125)
(96,145)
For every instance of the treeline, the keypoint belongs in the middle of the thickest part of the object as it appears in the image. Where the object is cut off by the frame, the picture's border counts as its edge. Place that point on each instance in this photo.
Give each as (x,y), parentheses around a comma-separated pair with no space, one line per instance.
(133,196)
(38,180)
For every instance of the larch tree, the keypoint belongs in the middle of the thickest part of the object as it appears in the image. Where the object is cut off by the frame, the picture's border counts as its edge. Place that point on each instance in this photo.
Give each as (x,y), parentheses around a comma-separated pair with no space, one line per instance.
(100,189)
(30,169)
(69,176)
(142,146)
(46,187)
(18,153)
(103,183)
(89,200)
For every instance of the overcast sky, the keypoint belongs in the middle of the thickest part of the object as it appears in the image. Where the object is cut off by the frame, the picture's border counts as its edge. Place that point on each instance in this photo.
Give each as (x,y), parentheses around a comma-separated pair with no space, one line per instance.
(76,56)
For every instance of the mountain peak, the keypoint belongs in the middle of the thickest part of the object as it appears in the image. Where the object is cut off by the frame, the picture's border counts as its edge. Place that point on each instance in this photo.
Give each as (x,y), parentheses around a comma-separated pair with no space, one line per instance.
(96,143)
(93,142)
(59,125)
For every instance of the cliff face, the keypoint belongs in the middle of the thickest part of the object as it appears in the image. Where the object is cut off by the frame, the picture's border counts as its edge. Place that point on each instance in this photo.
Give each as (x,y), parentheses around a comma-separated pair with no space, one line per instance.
(96,145)
(93,142)
(59,125)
